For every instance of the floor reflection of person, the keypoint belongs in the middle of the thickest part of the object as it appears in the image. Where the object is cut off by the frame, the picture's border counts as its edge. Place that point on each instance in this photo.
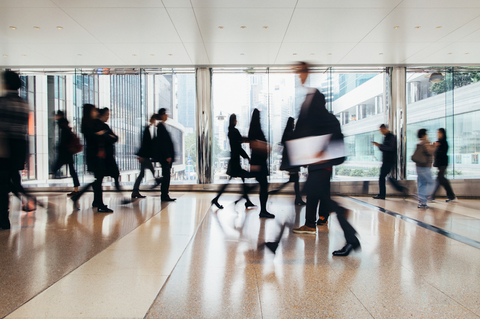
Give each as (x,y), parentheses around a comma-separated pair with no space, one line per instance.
(315,120)
(234,168)
(441,163)
(258,161)
(285,166)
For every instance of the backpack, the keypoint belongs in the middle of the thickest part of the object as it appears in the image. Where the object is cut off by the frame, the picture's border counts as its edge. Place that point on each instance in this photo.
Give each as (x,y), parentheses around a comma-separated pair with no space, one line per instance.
(74,146)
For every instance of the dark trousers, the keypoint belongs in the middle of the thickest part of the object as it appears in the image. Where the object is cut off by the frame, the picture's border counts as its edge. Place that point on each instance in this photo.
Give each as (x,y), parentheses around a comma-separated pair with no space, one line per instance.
(263,182)
(443,181)
(384,171)
(59,163)
(295,179)
(166,179)
(4,194)
(97,188)
(224,187)
(144,164)
(317,189)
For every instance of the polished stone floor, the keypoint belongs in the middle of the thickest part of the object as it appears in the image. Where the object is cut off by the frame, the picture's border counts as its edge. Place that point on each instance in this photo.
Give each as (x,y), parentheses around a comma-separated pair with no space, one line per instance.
(188,260)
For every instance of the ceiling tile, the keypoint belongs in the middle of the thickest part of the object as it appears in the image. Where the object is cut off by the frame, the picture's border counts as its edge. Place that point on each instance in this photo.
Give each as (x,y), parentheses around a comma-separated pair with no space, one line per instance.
(126,25)
(348,4)
(244,3)
(177,3)
(323,53)
(232,20)
(197,53)
(108,3)
(27,4)
(185,23)
(15,56)
(455,54)
(333,25)
(143,53)
(440,4)
(421,55)
(231,53)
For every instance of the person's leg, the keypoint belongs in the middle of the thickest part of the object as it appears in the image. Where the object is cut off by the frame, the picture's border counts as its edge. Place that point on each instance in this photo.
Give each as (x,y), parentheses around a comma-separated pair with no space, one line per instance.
(166,180)
(97,189)
(421,185)
(4,196)
(262,180)
(73,173)
(393,181)
(136,186)
(444,182)
(56,166)
(384,170)
(429,182)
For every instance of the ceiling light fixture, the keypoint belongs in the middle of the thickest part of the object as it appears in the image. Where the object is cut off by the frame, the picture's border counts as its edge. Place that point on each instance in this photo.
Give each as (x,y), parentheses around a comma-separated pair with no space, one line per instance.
(450,53)
(5,55)
(294,54)
(396,27)
(242,54)
(79,54)
(439,27)
(36,28)
(24,55)
(59,28)
(380,53)
(312,53)
(170,54)
(417,27)
(243,27)
(152,54)
(134,54)
(12,27)
(265,27)
(221,28)
(329,54)
(436,77)
(466,53)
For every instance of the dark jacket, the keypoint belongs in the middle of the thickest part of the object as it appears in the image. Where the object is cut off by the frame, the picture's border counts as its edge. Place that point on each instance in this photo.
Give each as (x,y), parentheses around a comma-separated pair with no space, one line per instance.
(258,160)
(315,120)
(389,148)
(441,157)
(146,147)
(108,142)
(428,151)
(285,166)
(98,147)
(234,168)
(64,154)
(163,146)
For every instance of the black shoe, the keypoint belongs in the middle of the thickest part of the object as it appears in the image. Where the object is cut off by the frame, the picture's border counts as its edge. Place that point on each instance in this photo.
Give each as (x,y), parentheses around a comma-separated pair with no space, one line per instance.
(300,202)
(94,205)
(168,199)
(104,209)
(378,197)
(346,250)
(451,200)
(158,181)
(5,224)
(272,246)
(249,204)
(266,215)
(275,191)
(137,195)
(72,194)
(215,202)
(127,201)
(322,221)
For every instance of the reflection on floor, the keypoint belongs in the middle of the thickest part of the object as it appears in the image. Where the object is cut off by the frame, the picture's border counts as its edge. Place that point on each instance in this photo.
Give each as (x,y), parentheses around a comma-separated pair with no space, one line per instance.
(185,259)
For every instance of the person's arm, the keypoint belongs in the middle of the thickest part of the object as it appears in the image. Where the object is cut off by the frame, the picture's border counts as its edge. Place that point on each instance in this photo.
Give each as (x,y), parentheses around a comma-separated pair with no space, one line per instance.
(388,145)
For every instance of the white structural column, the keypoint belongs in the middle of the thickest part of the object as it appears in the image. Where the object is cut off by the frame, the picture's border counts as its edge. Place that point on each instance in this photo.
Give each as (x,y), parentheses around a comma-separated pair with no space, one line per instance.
(204,125)
(398,117)
(41,128)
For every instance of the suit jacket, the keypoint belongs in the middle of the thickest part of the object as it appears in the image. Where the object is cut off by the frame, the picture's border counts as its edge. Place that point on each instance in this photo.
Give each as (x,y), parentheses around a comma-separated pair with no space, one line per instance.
(163,145)
(146,147)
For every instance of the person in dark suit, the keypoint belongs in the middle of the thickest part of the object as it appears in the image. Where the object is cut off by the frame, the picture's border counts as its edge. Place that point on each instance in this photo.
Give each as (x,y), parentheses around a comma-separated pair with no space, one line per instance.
(314,120)
(258,162)
(95,136)
(441,162)
(389,150)
(65,157)
(144,154)
(234,168)
(164,153)
(285,166)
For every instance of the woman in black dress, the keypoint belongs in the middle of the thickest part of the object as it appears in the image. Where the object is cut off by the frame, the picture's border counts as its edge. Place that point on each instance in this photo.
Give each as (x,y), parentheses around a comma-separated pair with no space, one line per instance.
(258,163)
(234,168)
(292,171)
(94,134)
(441,162)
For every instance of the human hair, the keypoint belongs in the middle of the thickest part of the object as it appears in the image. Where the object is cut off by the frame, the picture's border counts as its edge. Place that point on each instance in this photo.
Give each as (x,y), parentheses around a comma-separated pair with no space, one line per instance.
(11,80)
(162,111)
(288,129)
(421,133)
(154,117)
(303,67)
(60,113)
(231,121)
(444,134)
(255,131)
(87,120)
(102,112)
(383,126)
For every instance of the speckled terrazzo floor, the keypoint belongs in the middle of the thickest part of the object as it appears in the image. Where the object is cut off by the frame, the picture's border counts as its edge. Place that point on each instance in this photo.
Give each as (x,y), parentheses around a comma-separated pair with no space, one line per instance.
(185,260)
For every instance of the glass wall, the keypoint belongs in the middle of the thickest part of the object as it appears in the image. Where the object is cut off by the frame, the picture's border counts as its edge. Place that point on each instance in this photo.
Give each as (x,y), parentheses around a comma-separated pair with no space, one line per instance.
(28,92)
(354,96)
(446,98)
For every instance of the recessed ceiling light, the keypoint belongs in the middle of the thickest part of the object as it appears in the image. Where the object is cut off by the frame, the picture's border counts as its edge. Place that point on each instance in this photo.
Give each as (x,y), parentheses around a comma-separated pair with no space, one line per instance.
(450,53)
(79,54)
(170,54)
(12,27)
(24,55)
(243,27)
(466,53)
(265,27)
(439,27)
(152,54)
(242,54)
(396,27)
(36,28)
(329,54)
(5,55)
(220,27)
(417,27)
(294,54)
(312,53)
(380,53)
(59,28)
(134,54)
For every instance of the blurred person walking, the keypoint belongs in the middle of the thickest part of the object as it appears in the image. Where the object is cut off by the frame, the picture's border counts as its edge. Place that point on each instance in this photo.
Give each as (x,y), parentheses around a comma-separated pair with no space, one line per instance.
(285,166)
(315,120)
(441,163)
(258,161)
(234,168)
(389,158)
(423,158)
(164,152)
(145,153)
(95,136)
(14,112)
(64,150)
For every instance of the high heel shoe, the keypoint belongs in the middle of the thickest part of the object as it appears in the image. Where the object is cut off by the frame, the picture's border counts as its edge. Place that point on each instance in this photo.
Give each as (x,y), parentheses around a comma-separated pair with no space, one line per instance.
(345,251)
(249,204)
(215,202)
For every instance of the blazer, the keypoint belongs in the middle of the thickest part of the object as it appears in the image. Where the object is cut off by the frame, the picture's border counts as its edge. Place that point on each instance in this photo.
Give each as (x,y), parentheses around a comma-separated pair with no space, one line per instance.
(441,157)
(163,145)
(146,146)
(234,168)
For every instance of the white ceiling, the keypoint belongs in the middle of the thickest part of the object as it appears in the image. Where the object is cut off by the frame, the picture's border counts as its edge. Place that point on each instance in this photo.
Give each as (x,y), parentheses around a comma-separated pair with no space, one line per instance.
(108,33)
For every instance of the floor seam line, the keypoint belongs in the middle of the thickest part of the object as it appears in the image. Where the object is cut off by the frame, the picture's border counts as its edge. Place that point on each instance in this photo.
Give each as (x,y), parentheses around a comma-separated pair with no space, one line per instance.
(360,302)
(435,229)
(258,291)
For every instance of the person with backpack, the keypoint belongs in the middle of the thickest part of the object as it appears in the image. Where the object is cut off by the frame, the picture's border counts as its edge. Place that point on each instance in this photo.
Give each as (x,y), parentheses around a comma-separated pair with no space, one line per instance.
(315,120)
(65,149)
